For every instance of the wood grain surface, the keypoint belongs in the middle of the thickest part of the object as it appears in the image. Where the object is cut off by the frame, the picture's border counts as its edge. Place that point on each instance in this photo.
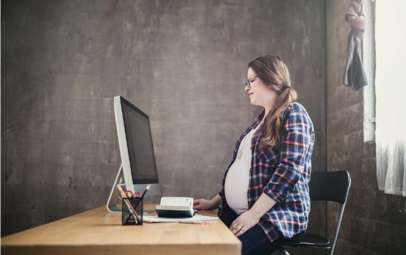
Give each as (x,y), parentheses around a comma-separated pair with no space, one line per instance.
(100,232)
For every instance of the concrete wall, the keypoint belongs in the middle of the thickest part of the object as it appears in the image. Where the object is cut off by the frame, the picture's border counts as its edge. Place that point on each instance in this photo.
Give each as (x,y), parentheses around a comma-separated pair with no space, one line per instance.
(374,222)
(181,62)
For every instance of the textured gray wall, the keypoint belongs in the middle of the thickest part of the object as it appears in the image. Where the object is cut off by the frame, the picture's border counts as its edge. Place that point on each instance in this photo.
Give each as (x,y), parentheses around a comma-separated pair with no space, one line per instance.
(182,62)
(373,223)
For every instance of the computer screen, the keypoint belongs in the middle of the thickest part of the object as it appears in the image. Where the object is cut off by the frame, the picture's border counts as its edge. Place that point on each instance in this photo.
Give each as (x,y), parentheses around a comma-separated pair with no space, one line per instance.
(139,143)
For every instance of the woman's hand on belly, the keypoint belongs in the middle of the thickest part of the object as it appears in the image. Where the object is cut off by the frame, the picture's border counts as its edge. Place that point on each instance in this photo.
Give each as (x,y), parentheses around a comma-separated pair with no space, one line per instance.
(243,223)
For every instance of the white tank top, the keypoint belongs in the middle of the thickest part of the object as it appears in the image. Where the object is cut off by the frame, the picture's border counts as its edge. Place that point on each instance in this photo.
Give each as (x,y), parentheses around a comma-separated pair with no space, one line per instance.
(237,179)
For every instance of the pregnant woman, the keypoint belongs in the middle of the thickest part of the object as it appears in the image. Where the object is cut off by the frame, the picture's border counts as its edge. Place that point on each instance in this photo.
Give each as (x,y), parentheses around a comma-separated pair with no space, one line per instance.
(265,195)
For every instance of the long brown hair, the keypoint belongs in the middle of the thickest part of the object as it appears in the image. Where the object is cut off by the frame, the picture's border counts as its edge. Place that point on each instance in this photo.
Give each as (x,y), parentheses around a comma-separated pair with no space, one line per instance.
(274,73)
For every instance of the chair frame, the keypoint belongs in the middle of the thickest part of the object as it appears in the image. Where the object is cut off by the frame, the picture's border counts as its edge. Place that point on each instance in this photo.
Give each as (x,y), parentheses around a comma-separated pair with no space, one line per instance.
(283,249)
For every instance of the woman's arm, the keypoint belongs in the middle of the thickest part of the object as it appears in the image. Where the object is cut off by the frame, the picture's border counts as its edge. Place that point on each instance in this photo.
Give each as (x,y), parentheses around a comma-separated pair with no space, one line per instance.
(204,204)
(296,142)
(216,201)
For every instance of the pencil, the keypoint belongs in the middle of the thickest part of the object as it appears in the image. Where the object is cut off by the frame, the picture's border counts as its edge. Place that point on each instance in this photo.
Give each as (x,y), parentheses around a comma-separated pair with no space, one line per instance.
(199,222)
(143,194)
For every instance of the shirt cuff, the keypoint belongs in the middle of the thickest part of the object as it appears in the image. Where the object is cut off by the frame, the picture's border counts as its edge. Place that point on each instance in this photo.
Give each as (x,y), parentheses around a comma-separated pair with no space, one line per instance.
(272,194)
(221,194)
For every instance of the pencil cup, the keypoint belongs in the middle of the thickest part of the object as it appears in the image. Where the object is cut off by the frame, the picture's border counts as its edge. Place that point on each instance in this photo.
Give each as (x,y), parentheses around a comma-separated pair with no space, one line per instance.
(132,211)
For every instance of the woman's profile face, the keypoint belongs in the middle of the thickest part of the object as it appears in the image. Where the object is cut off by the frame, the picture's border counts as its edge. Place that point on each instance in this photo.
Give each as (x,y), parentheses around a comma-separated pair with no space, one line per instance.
(258,92)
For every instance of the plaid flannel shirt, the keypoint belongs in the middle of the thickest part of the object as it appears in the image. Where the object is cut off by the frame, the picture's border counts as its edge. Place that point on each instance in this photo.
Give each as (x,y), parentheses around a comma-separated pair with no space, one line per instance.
(283,174)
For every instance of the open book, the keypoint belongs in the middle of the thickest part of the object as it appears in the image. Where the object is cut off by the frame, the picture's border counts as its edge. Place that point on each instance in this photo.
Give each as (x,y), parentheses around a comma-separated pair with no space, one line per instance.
(175,207)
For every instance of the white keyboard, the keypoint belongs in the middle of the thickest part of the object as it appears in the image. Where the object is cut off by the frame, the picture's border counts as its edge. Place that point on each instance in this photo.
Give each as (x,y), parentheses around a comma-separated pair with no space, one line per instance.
(177,201)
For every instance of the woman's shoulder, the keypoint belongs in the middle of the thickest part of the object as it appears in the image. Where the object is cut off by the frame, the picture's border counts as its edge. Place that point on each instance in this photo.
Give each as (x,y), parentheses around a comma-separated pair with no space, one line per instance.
(296,109)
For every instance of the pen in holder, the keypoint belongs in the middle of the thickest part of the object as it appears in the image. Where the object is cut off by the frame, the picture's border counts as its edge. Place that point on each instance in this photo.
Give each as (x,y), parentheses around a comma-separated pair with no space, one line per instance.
(132,211)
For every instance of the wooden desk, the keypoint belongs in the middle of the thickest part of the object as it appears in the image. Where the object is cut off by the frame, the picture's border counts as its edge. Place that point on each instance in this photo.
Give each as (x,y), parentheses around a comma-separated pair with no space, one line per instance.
(100,232)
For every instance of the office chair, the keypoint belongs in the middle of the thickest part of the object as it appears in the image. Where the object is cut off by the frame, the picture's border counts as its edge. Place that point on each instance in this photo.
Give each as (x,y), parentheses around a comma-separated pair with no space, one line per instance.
(325,186)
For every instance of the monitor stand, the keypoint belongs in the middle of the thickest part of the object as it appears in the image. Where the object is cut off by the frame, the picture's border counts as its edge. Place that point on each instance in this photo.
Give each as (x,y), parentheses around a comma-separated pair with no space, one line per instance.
(114,202)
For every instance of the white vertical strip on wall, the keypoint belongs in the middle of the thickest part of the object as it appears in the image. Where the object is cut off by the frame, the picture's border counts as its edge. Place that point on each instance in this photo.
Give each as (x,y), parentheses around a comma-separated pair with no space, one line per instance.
(368,48)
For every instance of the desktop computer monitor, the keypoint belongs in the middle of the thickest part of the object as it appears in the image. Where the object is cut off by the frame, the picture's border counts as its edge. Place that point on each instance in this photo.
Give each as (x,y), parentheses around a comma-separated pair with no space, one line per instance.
(138,167)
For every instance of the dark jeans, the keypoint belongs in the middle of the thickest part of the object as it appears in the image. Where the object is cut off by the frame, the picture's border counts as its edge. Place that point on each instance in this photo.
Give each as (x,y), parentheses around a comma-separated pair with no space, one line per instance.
(254,241)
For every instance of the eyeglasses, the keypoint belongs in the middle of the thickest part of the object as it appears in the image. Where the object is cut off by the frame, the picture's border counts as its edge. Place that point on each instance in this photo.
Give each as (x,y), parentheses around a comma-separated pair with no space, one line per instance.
(249,81)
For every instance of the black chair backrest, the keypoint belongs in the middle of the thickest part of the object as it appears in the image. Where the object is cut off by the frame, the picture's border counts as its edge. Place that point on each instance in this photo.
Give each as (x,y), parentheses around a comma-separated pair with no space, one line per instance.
(329,186)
